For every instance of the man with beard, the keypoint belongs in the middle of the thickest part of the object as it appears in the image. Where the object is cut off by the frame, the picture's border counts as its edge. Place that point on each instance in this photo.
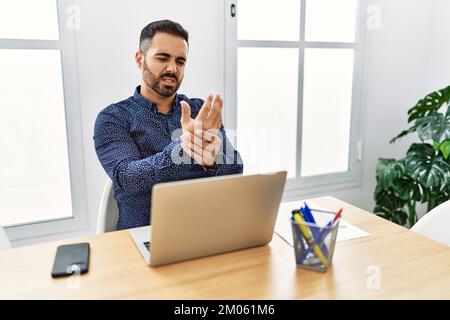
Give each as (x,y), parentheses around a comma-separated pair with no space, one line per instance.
(147,138)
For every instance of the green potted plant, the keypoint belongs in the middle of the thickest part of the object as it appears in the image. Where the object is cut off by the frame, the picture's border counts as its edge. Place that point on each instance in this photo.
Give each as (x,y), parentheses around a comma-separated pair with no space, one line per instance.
(423,175)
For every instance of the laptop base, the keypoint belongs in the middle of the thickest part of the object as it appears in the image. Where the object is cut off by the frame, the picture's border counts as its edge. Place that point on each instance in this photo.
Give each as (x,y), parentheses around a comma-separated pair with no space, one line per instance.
(141,238)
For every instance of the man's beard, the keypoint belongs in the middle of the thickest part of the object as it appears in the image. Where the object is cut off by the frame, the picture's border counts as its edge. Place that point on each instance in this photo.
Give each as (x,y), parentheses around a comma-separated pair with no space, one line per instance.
(154,82)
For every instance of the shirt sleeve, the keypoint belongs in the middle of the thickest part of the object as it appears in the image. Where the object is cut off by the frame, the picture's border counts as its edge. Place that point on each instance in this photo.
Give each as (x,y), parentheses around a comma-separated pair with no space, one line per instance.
(122,160)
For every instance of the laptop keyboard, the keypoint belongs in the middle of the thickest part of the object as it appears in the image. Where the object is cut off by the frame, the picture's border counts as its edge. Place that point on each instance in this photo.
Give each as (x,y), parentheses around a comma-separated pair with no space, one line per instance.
(147,245)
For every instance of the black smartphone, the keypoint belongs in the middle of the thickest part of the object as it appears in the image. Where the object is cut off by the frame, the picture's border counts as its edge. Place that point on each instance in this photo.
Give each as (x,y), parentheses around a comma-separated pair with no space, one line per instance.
(70,259)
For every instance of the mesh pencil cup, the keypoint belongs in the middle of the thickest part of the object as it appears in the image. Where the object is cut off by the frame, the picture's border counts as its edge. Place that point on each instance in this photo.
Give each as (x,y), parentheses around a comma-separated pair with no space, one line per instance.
(314,245)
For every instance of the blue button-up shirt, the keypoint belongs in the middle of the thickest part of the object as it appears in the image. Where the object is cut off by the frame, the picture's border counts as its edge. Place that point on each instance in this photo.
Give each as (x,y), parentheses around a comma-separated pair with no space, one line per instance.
(137,145)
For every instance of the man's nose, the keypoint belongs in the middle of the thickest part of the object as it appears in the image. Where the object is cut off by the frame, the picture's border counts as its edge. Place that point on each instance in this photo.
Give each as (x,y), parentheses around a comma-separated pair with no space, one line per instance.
(172,67)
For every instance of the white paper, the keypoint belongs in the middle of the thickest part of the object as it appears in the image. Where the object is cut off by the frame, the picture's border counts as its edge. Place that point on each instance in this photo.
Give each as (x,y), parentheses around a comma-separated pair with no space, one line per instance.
(283,226)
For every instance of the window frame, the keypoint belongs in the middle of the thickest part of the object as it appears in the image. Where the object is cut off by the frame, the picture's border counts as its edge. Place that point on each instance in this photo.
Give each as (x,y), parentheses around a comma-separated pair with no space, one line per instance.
(317,183)
(66,44)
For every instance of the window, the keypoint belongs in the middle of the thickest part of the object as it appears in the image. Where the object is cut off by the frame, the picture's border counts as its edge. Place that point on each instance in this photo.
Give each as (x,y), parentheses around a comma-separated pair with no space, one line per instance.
(42,188)
(292,80)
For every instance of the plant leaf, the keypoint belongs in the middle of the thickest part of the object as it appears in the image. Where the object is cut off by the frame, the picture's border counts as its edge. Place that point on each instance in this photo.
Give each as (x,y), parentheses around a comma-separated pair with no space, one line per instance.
(388,170)
(440,197)
(389,200)
(403,133)
(436,196)
(424,165)
(426,195)
(436,145)
(430,104)
(390,207)
(407,189)
(434,127)
(445,148)
(446,189)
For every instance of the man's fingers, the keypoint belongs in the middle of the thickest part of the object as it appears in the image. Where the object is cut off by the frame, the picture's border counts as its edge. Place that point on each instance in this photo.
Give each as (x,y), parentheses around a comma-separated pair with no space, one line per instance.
(210,114)
(214,149)
(189,141)
(215,115)
(217,122)
(205,109)
(211,135)
(210,148)
(198,141)
(185,113)
(195,139)
(202,155)
(194,156)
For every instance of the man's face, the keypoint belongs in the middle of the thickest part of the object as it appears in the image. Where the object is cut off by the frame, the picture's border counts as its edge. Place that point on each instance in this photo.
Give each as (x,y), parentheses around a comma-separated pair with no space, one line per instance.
(163,64)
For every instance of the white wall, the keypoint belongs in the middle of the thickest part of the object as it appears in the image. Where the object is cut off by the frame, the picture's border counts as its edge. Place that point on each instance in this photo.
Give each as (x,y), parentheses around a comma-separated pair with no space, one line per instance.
(439,49)
(405,59)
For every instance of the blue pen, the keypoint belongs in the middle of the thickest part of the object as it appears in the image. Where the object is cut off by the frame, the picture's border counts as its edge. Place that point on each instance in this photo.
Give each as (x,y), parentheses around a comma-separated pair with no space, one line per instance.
(316,233)
(308,216)
(323,234)
(308,213)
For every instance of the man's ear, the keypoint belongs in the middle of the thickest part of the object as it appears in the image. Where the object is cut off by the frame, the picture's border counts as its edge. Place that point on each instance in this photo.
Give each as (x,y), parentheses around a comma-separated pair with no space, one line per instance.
(139,57)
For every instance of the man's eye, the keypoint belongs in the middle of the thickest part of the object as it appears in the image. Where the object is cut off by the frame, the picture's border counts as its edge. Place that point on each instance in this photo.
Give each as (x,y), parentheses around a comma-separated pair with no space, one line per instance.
(162,59)
(181,63)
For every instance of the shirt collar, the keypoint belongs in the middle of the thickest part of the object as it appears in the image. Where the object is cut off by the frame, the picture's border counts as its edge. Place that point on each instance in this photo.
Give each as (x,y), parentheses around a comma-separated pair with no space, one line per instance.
(146,103)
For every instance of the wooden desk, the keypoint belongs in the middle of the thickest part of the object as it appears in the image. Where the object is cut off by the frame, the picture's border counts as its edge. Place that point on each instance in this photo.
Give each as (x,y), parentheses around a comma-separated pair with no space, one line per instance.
(412,267)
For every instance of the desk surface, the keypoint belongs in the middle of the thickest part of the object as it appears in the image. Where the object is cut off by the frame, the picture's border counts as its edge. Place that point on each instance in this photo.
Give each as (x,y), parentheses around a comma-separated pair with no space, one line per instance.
(411,267)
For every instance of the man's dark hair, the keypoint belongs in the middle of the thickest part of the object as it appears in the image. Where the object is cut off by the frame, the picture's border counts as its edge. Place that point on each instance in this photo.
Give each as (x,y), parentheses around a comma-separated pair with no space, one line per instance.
(166,26)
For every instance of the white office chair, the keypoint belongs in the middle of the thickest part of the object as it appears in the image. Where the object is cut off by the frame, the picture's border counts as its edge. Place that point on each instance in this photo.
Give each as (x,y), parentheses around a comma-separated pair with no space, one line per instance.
(4,241)
(436,224)
(108,212)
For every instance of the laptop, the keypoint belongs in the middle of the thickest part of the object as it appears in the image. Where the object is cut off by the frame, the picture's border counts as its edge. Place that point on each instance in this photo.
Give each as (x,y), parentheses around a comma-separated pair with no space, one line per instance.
(202,217)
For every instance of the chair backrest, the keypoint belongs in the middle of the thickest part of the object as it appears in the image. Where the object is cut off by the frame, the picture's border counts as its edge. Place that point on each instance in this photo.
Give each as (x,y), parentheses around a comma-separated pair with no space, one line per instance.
(436,224)
(108,212)
(4,241)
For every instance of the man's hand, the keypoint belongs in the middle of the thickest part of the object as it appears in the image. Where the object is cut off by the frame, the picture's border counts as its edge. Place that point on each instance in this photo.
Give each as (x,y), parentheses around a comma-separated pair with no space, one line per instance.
(200,135)
(209,116)
(203,146)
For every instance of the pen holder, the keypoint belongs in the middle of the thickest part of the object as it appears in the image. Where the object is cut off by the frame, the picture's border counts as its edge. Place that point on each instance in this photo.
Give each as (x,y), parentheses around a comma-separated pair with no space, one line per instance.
(314,245)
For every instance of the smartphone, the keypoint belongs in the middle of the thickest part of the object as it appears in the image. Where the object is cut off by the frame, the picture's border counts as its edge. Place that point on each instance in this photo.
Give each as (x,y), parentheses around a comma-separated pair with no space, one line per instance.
(70,259)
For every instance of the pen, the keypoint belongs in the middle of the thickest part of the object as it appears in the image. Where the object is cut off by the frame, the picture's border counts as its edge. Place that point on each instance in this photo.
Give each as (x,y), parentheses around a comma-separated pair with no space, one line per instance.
(308,236)
(298,235)
(306,213)
(337,216)
(323,233)
(308,216)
